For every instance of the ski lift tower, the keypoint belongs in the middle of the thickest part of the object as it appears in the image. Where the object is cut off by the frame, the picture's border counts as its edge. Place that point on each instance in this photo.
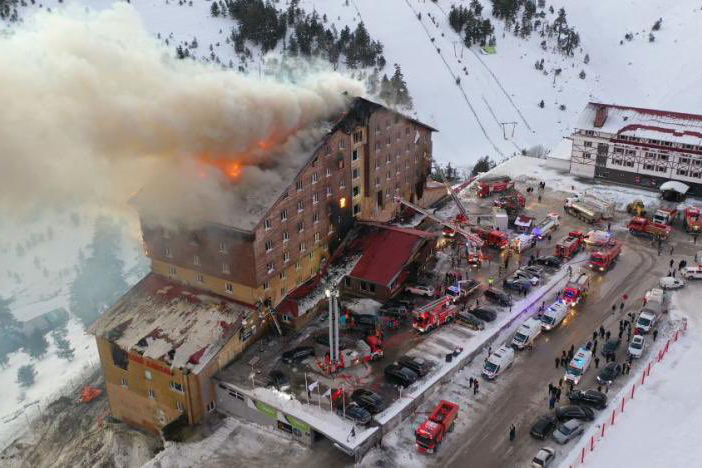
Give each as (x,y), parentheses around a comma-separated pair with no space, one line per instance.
(333,296)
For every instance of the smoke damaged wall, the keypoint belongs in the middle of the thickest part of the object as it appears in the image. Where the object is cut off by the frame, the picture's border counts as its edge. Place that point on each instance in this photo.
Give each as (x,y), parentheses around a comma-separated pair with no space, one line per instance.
(93,106)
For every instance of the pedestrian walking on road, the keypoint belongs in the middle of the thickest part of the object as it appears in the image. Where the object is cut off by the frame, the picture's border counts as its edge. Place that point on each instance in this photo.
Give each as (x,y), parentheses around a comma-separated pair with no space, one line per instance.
(672,247)
(607,335)
(564,361)
(614,308)
(621,332)
(475,387)
(672,262)
(551,402)
(628,335)
(470,382)
(512,432)
(551,389)
(594,335)
(621,306)
(594,347)
(572,349)
(609,226)
(558,361)
(558,394)
(655,334)
(597,363)
(602,331)
(560,382)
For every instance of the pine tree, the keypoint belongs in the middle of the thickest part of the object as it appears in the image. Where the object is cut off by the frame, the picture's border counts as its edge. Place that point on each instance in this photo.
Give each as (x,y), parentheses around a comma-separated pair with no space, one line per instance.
(657,24)
(483,164)
(214,9)
(386,91)
(582,74)
(402,96)
(541,104)
(586,60)
(179,52)
(26,375)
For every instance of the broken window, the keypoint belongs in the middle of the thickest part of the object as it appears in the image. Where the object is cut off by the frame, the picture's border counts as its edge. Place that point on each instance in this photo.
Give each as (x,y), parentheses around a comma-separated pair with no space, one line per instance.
(120,358)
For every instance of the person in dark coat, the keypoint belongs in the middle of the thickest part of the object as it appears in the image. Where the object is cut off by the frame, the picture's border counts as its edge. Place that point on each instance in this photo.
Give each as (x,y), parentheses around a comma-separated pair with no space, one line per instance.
(550,388)
(594,336)
(655,334)
(597,363)
(572,349)
(602,331)
(564,361)
(551,402)
(607,335)
(558,394)
(512,432)
(558,362)
(470,382)
(475,387)
(672,262)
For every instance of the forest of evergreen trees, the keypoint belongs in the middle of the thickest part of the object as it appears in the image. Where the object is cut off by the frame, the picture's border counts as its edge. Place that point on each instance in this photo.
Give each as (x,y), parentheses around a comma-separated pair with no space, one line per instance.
(469,23)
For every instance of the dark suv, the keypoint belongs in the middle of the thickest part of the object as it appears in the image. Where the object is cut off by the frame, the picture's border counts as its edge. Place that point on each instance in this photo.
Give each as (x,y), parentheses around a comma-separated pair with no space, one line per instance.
(484,313)
(498,297)
(402,375)
(368,400)
(297,354)
(564,413)
(367,321)
(589,397)
(543,426)
(418,365)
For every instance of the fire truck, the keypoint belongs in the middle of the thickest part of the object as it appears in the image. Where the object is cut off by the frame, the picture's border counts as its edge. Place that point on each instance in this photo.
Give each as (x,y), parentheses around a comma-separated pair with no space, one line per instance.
(491,185)
(434,314)
(548,225)
(370,349)
(569,245)
(665,215)
(492,238)
(583,211)
(603,259)
(431,432)
(598,238)
(644,227)
(523,242)
(576,289)
(693,221)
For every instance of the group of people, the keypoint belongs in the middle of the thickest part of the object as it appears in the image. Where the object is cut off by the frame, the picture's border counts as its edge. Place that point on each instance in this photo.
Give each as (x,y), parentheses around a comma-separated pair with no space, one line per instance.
(473,383)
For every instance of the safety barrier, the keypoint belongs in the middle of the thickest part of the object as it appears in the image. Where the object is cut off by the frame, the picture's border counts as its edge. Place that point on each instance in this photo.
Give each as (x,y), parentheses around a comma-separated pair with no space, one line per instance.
(579,456)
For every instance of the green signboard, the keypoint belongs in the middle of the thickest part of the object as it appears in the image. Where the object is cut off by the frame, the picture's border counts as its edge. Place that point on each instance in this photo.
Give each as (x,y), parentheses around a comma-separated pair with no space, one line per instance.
(297,424)
(267,410)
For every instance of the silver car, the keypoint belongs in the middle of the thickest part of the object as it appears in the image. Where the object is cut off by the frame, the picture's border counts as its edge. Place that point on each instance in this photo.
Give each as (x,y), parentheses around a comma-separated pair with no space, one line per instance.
(543,458)
(567,431)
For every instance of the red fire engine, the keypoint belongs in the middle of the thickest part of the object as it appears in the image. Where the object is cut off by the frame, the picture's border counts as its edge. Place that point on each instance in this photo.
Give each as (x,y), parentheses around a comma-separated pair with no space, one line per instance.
(693,221)
(643,227)
(576,289)
(569,245)
(490,185)
(603,259)
(493,238)
(434,314)
(431,432)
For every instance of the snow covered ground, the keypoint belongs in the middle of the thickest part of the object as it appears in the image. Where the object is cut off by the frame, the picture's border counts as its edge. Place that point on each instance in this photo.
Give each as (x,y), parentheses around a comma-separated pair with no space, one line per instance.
(660,427)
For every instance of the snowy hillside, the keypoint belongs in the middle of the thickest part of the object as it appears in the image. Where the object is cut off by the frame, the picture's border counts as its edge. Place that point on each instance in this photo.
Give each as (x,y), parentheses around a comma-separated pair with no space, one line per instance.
(497,89)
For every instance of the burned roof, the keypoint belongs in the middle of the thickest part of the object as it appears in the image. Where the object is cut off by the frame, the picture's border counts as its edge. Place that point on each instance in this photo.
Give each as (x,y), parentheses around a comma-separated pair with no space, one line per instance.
(164,320)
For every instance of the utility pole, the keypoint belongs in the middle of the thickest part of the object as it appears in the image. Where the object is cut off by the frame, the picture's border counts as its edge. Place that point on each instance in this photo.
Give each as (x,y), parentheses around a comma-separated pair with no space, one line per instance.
(333,296)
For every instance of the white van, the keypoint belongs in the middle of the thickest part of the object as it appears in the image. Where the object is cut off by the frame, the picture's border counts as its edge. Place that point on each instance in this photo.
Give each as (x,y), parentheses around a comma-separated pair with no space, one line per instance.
(692,272)
(497,362)
(554,315)
(578,365)
(526,333)
(645,321)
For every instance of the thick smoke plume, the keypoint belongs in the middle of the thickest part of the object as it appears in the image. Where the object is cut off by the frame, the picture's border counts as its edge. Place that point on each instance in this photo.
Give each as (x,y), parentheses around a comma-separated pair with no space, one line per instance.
(93,106)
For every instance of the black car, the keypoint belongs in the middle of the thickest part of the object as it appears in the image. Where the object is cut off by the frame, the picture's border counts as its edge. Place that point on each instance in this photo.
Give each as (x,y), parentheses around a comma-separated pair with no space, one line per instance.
(471,321)
(368,400)
(297,354)
(610,347)
(323,339)
(498,297)
(356,413)
(534,270)
(589,397)
(483,313)
(395,311)
(400,374)
(609,373)
(366,321)
(418,365)
(567,412)
(277,379)
(549,261)
(516,284)
(543,426)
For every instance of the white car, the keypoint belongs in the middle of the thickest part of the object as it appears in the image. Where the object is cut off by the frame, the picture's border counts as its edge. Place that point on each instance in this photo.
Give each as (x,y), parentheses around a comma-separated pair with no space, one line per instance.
(421,290)
(637,345)
(527,275)
(543,458)
(669,282)
(692,272)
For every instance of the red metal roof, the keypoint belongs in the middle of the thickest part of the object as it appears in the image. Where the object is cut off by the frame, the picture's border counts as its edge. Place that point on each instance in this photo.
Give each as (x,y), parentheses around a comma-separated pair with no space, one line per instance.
(386,251)
(660,113)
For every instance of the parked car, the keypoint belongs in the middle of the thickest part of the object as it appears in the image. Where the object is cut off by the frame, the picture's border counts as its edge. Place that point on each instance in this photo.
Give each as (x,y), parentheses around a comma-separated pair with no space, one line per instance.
(534,269)
(516,284)
(568,431)
(471,321)
(549,261)
(421,290)
(692,272)
(543,426)
(483,313)
(400,374)
(277,379)
(590,397)
(610,346)
(418,365)
(609,373)
(564,413)
(671,283)
(297,354)
(636,346)
(366,321)
(544,457)
(527,275)
(368,399)
(356,413)
(498,297)
(395,311)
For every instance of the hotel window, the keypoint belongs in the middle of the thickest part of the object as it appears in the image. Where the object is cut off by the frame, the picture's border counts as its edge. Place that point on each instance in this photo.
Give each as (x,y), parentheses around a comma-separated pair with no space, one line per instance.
(357,137)
(315,198)
(286,257)
(269,267)
(356,191)
(222,246)
(662,169)
(648,167)
(650,155)
(663,157)
(171,270)
(298,185)
(407,146)
(619,150)
(387,143)
(179,406)
(286,236)
(196,260)
(329,172)
(283,290)
(377,181)
(199,277)
(630,152)
(589,132)
(314,162)
(684,160)
(682,172)
(300,205)
(316,237)
(356,174)
(167,251)
(266,285)
(152,395)
(284,215)
(300,226)
(297,266)
(302,247)
(342,145)
(229,287)
(377,128)
(331,228)
(147,374)
(354,155)
(269,245)
(629,163)
(587,156)
(329,191)
(377,146)
(315,178)
(315,217)
(123,383)
(356,209)
(327,149)
(282,275)
(225,268)
(587,144)
(342,183)
(176,387)
(266,226)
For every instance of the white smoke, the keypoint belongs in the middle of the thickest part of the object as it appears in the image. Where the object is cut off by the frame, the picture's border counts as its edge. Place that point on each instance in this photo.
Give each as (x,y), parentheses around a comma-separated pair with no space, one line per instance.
(93,106)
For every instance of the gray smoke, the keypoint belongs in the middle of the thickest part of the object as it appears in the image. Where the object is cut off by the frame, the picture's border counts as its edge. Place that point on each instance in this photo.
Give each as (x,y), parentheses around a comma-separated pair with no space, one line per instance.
(93,106)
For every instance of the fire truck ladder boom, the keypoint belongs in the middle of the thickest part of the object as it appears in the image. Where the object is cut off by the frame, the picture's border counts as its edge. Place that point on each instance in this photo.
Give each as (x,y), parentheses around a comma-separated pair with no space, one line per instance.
(472,238)
(456,200)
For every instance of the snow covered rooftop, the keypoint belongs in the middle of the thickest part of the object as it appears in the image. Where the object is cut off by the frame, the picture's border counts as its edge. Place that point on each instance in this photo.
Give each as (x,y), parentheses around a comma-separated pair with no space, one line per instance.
(642,123)
(164,320)
(675,186)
